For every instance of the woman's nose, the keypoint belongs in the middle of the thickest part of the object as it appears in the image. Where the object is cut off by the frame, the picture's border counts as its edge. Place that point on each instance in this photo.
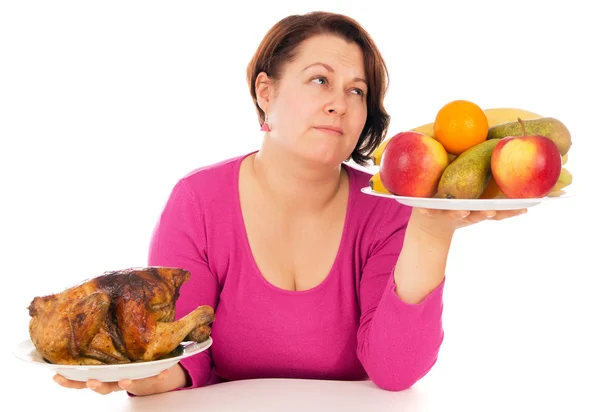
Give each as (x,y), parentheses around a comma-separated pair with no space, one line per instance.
(337,104)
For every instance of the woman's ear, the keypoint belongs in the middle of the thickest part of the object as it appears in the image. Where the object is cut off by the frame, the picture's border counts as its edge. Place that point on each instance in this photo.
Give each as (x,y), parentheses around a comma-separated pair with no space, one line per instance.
(264,91)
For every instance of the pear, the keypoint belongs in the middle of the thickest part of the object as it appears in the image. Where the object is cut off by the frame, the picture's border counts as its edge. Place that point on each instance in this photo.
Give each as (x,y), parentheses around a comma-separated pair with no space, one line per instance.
(467,176)
(549,127)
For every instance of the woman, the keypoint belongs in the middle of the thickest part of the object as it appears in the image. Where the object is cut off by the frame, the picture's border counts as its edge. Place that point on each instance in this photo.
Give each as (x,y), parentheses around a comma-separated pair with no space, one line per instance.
(309,277)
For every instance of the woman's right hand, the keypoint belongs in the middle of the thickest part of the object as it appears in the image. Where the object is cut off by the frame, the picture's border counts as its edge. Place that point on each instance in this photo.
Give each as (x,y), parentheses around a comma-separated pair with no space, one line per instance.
(166,381)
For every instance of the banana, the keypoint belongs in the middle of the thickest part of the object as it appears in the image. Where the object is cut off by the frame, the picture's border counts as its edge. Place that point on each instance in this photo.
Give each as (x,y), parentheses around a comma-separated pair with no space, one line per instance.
(565,158)
(425,129)
(495,117)
(564,180)
(378,152)
(376,185)
(498,116)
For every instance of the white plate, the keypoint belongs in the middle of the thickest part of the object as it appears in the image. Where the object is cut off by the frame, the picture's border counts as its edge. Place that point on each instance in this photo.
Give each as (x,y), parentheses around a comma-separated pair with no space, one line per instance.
(109,373)
(466,204)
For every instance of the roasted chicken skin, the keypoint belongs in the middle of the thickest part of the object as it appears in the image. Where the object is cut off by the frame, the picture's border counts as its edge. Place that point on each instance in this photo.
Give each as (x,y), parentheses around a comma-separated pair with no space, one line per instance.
(118,317)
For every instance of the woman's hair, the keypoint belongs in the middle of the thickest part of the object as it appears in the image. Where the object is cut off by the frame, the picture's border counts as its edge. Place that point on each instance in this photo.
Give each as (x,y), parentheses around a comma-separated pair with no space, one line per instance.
(279,46)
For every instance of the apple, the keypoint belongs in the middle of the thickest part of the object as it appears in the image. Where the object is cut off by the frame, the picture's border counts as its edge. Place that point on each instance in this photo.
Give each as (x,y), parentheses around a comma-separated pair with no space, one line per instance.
(412,164)
(526,166)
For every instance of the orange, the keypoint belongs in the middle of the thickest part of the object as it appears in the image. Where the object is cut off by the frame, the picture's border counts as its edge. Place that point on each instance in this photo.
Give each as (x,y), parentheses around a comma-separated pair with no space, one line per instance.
(459,125)
(492,190)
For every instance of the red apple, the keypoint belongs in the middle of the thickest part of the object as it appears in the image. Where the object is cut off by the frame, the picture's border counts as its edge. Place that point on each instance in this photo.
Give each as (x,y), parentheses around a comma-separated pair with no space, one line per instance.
(526,166)
(412,164)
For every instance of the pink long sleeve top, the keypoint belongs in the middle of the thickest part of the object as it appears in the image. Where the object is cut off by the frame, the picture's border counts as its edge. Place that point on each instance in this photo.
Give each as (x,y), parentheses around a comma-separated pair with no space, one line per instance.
(352,326)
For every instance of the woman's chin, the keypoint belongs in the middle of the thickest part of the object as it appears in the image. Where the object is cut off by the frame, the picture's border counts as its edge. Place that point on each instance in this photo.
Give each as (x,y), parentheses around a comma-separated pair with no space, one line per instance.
(332,158)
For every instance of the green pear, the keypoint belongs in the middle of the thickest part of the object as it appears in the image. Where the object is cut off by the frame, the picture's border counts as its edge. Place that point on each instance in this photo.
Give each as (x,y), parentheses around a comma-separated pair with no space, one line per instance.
(550,127)
(467,176)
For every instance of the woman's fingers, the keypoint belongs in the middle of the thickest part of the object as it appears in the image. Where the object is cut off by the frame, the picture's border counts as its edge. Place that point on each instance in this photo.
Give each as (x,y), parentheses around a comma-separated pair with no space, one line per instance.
(474,216)
(505,214)
(144,386)
(95,385)
(103,388)
(481,215)
(455,214)
(459,214)
(471,216)
(125,384)
(67,383)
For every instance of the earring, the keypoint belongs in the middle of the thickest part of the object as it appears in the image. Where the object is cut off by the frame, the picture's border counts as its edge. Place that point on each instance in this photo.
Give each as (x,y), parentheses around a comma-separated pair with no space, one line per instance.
(265,127)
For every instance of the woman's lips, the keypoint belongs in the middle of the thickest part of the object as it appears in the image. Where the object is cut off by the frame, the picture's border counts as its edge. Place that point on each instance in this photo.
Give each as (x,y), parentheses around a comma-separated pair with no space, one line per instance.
(336,131)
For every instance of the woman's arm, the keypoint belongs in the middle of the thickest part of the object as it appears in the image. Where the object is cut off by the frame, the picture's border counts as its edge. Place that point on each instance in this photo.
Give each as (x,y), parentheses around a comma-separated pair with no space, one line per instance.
(421,266)
(401,292)
(179,240)
(399,340)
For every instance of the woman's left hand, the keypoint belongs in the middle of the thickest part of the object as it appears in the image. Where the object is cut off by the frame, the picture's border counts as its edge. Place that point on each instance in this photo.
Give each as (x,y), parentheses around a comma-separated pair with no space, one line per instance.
(445,222)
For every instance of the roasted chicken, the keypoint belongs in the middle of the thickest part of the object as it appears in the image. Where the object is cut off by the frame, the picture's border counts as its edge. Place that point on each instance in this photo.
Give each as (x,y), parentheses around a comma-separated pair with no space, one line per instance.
(118,317)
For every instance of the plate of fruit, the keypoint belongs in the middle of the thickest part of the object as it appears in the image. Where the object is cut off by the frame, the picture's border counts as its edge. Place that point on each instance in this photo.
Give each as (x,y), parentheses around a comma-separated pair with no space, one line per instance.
(475,159)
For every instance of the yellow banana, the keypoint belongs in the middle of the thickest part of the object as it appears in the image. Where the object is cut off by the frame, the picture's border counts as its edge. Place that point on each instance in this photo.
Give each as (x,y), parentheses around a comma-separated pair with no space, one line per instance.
(376,185)
(495,117)
(378,152)
(425,129)
(564,180)
(565,158)
(498,116)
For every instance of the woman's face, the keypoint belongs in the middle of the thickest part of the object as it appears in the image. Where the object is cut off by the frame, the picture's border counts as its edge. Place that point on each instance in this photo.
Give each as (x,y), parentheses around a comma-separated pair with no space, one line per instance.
(318,108)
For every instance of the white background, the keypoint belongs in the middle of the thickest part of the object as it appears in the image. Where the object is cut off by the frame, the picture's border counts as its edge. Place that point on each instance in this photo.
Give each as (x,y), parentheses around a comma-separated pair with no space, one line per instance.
(105,105)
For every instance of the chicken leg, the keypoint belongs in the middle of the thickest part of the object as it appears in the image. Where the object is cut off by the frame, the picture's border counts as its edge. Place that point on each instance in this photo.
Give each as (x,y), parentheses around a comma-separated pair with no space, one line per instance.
(168,335)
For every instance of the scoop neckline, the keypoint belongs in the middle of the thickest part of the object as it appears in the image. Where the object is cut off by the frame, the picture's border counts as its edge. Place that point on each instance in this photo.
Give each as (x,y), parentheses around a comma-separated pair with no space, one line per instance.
(246,241)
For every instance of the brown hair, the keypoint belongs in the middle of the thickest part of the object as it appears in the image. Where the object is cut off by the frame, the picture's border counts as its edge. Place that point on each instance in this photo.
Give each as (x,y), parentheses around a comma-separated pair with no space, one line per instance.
(279,46)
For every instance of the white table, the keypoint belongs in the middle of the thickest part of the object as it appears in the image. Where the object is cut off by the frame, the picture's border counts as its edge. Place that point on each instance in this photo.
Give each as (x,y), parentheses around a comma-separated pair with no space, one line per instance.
(282,395)
(445,389)
(294,395)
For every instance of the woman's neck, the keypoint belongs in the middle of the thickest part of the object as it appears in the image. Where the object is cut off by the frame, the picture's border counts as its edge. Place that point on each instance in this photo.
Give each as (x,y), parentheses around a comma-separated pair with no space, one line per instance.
(296,185)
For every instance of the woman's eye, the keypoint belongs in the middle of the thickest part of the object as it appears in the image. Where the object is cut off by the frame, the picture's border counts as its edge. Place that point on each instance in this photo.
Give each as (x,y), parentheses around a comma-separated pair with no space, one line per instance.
(323,80)
(320,80)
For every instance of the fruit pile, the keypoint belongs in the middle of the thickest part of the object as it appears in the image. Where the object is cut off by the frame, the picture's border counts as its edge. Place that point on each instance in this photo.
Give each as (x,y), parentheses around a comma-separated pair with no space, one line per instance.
(470,153)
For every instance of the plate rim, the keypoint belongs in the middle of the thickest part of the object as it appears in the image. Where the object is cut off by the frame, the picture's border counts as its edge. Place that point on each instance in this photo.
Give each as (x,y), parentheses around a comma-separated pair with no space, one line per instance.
(467,204)
(27,345)
(369,191)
